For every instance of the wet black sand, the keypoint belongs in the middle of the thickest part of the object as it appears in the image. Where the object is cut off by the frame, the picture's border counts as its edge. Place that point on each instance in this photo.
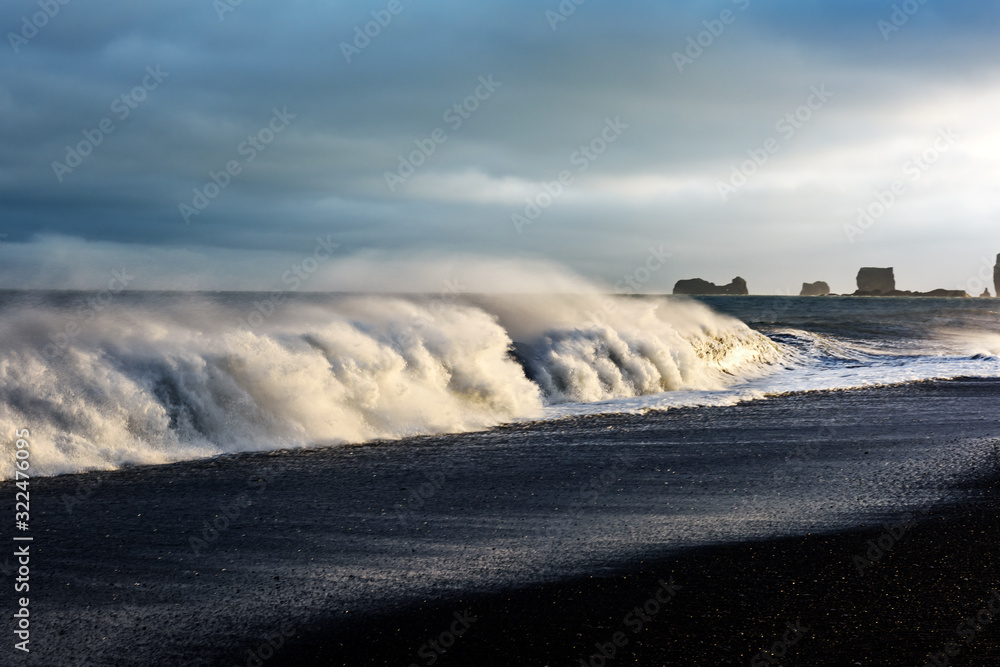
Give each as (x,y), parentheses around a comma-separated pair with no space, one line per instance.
(317,546)
(732,603)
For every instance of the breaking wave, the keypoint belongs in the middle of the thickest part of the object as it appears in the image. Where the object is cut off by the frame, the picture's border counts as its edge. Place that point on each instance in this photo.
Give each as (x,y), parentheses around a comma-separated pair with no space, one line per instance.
(157,378)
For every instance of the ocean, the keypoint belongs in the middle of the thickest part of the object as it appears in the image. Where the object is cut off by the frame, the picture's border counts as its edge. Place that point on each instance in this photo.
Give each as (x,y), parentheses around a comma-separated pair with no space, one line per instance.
(108,380)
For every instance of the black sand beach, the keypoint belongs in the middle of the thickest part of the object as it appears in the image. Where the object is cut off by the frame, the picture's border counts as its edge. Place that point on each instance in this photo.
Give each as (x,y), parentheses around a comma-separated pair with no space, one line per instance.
(734,605)
(548,535)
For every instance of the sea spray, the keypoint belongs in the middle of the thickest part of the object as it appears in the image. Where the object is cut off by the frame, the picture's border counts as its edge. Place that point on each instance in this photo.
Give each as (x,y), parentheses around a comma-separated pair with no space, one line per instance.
(164,377)
(578,349)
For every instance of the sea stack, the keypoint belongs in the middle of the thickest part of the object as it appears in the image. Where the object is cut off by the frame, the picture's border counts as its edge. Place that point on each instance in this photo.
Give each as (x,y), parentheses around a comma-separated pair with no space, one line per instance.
(818,288)
(698,286)
(996,278)
(875,282)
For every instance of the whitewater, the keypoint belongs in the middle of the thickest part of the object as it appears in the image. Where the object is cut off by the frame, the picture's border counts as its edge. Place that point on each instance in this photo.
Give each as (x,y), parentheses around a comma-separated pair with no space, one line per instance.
(157,377)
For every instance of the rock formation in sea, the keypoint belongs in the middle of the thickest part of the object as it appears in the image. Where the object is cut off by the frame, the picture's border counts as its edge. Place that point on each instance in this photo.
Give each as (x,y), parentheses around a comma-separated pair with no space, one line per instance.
(934,292)
(996,277)
(882,282)
(818,288)
(875,282)
(699,286)
(986,293)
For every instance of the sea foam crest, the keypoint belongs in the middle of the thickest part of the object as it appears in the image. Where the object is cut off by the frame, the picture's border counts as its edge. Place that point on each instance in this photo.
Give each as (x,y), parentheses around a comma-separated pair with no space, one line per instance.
(176,380)
(638,346)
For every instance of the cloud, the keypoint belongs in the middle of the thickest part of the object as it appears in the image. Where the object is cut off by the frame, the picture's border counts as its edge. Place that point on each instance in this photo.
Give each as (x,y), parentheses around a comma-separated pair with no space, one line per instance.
(325,174)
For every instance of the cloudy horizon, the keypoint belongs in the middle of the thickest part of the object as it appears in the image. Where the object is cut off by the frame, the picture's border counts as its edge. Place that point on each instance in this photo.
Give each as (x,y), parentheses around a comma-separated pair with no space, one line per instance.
(211,145)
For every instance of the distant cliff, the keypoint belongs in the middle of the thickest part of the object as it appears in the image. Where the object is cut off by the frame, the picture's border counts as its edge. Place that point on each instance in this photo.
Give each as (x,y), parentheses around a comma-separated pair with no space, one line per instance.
(936,292)
(881,282)
(875,282)
(818,288)
(996,278)
(699,286)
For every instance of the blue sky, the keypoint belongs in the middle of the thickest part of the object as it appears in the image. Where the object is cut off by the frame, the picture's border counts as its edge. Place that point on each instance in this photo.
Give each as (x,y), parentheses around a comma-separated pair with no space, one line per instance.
(722,153)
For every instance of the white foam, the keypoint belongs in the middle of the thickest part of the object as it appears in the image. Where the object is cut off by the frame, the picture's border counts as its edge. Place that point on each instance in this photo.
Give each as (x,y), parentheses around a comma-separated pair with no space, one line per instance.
(176,379)
(587,348)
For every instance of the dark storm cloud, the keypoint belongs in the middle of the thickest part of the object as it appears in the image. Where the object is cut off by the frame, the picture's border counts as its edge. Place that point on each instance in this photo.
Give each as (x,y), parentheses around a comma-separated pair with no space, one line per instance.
(185,87)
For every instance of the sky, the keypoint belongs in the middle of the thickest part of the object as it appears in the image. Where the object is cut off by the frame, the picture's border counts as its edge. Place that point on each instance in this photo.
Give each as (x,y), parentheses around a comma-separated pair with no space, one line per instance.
(218,144)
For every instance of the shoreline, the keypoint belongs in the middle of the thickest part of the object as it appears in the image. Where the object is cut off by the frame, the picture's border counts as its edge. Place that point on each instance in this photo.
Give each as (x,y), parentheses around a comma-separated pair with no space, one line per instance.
(355,553)
(526,422)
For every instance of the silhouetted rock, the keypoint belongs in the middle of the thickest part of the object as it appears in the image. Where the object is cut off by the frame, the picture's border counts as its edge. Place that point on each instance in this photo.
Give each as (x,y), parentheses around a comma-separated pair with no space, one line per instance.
(996,277)
(881,282)
(699,286)
(936,292)
(737,286)
(986,293)
(952,293)
(818,288)
(875,282)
